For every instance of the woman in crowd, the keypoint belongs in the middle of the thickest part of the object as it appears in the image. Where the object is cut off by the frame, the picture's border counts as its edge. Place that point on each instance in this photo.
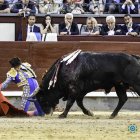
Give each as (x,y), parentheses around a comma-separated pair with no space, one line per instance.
(91,27)
(47,26)
(49,7)
(71,6)
(96,6)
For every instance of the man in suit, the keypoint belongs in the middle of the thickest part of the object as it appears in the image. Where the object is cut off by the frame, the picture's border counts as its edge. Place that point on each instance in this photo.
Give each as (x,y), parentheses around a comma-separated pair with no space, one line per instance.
(111,28)
(31,27)
(130,28)
(129,7)
(112,7)
(68,27)
(24,7)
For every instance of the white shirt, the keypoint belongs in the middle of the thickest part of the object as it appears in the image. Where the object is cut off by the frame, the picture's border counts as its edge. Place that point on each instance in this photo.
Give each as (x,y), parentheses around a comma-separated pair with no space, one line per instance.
(111,32)
(28,30)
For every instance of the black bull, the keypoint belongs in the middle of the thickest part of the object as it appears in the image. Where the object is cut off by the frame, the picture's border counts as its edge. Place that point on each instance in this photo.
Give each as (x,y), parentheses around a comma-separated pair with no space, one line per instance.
(88,72)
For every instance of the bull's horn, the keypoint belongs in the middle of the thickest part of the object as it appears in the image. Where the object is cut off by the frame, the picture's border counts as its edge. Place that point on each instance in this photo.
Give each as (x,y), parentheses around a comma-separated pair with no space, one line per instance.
(34,93)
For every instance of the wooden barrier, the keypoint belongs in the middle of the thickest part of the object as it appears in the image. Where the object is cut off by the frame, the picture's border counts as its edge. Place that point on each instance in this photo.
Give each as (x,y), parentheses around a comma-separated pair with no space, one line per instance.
(42,54)
(99,38)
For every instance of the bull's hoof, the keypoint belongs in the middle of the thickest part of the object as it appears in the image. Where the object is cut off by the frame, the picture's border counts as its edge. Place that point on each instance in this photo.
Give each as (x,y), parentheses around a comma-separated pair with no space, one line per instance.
(62,116)
(112,116)
(90,113)
(87,112)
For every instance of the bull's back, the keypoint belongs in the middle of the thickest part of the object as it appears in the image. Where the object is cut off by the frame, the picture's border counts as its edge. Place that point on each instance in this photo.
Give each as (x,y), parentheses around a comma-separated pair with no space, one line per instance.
(90,65)
(105,62)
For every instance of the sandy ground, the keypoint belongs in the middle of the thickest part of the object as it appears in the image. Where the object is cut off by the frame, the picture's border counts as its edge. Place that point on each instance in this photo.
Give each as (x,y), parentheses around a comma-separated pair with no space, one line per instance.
(76,127)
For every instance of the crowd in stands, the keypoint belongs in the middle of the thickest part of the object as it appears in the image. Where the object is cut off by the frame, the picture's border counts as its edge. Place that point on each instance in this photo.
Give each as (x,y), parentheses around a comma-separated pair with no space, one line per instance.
(70,6)
(91,27)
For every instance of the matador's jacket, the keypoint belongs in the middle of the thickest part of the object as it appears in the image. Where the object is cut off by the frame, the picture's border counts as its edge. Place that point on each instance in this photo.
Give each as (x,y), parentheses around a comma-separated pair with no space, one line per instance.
(26,78)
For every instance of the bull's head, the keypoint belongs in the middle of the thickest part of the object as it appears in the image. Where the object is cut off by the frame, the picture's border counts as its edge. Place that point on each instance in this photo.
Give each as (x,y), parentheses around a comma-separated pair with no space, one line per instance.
(48,94)
(47,100)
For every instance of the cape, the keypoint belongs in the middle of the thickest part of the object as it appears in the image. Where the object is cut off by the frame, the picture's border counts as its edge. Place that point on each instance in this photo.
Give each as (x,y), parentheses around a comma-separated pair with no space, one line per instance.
(7,109)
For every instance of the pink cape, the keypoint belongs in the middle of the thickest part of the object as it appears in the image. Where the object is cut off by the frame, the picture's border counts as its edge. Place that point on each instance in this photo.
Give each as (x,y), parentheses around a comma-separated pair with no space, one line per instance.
(7,109)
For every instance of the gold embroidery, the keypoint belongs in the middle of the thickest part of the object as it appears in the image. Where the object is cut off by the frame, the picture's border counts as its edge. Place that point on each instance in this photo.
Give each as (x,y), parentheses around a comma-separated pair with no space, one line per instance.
(29,71)
(12,72)
(22,83)
(26,64)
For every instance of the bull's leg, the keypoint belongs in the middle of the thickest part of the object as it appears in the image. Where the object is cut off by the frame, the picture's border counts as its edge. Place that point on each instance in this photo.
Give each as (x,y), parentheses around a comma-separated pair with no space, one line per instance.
(121,92)
(80,104)
(69,104)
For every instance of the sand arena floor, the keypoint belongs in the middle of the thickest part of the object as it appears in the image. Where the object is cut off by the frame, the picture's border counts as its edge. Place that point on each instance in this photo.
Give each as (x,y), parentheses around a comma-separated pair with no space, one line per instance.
(76,127)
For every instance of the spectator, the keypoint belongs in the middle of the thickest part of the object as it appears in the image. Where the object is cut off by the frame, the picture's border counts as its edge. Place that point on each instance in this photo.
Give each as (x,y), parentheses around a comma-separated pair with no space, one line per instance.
(79,2)
(4,6)
(12,1)
(72,7)
(111,28)
(47,26)
(91,27)
(129,7)
(96,6)
(68,27)
(31,28)
(130,28)
(112,7)
(23,7)
(49,7)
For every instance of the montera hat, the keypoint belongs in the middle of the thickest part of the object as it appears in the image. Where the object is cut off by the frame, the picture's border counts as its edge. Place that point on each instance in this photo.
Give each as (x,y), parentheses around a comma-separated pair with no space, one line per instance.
(14,62)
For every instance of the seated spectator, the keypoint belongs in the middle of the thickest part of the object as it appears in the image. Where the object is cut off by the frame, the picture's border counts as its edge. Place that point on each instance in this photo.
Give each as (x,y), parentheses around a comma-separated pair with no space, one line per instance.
(91,27)
(23,7)
(85,5)
(96,6)
(68,27)
(82,4)
(130,28)
(31,28)
(129,7)
(79,2)
(72,7)
(49,7)
(111,28)
(4,6)
(112,7)
(60,2)
(12,1)
(47,26)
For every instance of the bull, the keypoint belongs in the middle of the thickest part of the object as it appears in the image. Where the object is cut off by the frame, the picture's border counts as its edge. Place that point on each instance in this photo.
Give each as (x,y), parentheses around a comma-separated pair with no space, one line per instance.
(88,72)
